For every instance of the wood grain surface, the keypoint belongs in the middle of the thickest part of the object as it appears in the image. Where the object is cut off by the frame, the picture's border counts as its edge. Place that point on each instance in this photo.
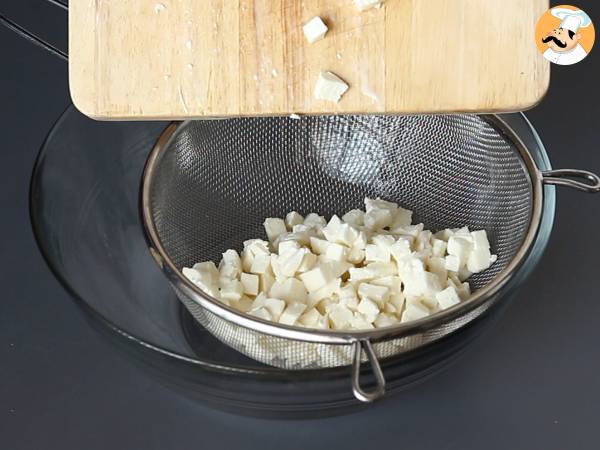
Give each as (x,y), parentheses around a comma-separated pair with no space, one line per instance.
(167,59)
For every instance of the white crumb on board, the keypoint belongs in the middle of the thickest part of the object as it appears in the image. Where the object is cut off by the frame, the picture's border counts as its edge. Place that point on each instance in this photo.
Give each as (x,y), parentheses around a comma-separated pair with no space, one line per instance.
(182,100)
(159,7)
(366,89)
(274,72)
(190,66)
(167,76)
(188,44)
(338,55)
(294,116)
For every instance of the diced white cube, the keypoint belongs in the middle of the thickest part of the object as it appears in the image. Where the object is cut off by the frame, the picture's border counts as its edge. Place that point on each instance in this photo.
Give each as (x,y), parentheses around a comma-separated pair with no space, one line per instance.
(261,263)
(292,313)
(323,322)
(247,258)
(310,318)
(408,265)
(361,240)
(330,87)
(325,305)
(438,247)
(202,276)
(355,255)
(316,278)
(360,322)
(363,5)
(414,311)
(290,290)
(402,218)
(379,203)
(452,263)
(336,252)
(332,229)
(257,246)
(274,227)
(480,239)
(447,298)
(275,266)
(319,246)
(290,261)
(397,300)
(300,237)
(244,304)
(409,230)
(287,245)
(464,273)
(341,317)
(358,274)
(460,246)
(390,308)
(266,280)
(462,288)
(326,291)
(376,253)
(393,283)
(275,306)
(347,235)
(261,313)
(202,280)
(377,219)
(293,218)
(322,274)
(385,320)
(401,247)
(379,294)
(369,309)
(422,284)
(422,242)
(314,29)
(444,235)
(382,269)
(479,259)
(354,217)
(347,296)
(231,265)
(250,283)
(303,228)
(208,271)
(437,266)
(315,221)
(308,262)
(231,289)
(384,241)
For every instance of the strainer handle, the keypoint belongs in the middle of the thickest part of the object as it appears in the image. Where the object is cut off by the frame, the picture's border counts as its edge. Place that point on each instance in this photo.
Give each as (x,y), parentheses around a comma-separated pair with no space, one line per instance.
(359,392)
(575,178)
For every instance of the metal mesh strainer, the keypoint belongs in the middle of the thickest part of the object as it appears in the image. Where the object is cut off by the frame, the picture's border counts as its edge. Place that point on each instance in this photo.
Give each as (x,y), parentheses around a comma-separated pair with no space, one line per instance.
(209,185)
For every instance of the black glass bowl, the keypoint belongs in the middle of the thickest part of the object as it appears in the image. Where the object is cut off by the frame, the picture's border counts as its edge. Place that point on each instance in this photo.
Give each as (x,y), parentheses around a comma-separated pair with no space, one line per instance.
(85,213)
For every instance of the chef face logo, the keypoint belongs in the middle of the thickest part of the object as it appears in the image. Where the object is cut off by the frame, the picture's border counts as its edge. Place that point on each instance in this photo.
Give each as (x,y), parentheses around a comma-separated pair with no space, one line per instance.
(565,35)
(561,40)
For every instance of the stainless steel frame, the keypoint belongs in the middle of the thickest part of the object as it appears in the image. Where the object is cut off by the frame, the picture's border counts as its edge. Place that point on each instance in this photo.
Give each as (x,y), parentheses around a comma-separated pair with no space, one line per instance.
(361,340)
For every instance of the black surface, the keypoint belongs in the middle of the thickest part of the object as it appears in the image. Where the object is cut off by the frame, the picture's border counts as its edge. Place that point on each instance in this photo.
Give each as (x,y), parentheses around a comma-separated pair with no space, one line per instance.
(531,382)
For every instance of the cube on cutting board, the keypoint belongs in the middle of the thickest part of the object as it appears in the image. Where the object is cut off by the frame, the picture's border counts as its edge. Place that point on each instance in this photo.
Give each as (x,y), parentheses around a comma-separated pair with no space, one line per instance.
(173,59)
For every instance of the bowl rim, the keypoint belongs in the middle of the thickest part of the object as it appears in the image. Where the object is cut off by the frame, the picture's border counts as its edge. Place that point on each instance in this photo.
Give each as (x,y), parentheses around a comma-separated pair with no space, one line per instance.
(518,120)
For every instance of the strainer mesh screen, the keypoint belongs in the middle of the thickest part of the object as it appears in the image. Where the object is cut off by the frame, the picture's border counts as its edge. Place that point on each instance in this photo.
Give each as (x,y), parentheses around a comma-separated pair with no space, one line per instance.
(219,179)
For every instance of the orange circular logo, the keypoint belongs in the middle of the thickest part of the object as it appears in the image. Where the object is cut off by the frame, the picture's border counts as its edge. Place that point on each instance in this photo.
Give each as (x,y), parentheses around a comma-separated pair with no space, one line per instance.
(565,35)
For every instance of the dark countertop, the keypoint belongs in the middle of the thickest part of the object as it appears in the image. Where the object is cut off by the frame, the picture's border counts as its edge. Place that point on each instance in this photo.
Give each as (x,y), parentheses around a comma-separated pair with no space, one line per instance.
(531,382)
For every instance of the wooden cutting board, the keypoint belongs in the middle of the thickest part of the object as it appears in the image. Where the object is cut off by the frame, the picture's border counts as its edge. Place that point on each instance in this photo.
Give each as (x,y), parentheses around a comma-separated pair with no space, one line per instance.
(165,59)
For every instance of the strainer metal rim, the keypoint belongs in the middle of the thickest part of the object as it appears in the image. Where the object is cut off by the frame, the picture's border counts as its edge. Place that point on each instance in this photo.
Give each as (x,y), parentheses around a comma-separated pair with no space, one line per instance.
(341,337)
